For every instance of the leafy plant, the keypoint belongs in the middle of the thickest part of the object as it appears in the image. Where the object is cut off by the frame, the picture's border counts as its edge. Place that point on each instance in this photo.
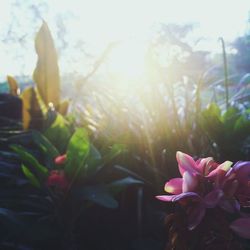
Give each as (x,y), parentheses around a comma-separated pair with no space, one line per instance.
(64,190)
(229,131)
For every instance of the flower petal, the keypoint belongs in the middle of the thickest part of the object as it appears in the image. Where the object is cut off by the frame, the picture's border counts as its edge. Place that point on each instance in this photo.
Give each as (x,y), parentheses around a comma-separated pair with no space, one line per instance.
(195,215)
(241,227)
(186,163)
(188,195)
(60,159)
(190,182)
(213,198)
(179,197)
(205,165)
(242,170)
(174,186)
(222,169)
(166,198)
(230,206)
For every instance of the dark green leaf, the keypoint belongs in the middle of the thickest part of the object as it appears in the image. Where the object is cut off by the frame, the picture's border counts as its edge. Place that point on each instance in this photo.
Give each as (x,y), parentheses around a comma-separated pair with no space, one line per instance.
(93,161)
(99,195)
(31,177)
(77,152)
(45,144)
(29,159)
(59,133)
(119,185)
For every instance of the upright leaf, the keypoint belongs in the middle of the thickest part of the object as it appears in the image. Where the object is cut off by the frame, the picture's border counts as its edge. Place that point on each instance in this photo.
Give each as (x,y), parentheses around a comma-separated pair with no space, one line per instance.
(63,107)
(59,133)
(98,195)
(77,152)
(31,177)
(46,74)
(30,159)
(32,109)
(13,85)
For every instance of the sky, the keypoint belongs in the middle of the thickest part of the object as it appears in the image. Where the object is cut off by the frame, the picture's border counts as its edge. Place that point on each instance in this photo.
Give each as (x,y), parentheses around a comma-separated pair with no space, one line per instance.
(96,23)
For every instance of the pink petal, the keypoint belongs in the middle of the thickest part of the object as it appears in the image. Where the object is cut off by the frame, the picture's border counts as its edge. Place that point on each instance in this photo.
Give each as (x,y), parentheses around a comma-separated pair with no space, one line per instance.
(241,227)
(174,186)
(230,206)
(212,199)
(204,165)
(60,159)
(195,215)
(222,169)
(230,188)
(186,196)
(186,163)
(179,197)
(242,170)
(166,198)
(190,182)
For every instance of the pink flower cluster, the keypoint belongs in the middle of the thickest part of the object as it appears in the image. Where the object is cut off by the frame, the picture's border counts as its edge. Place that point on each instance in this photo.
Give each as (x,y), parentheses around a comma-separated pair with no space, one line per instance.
(57,178)
(206,184)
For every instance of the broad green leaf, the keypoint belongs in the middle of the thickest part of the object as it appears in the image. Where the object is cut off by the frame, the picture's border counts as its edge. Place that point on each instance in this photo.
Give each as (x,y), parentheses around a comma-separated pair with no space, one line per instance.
(46,74)
(229,119)
(214,110)
(77,152)
(33,108)
(31,177)
(98,195)
(63,107)
(13,85)
(126,182)
(45,144)
(231,114)
(119,185)
(242,126)
(58,133)
(10,220)
(211,122)
(115,150)
(29,159)
(27,97)
(93,161)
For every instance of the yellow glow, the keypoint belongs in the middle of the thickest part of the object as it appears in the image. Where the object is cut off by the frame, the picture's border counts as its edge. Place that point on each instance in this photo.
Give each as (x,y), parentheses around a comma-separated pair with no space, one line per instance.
(127,61)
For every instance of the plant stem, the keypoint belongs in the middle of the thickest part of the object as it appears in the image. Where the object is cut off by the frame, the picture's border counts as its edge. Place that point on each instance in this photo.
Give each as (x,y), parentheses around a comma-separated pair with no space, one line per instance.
(225,71)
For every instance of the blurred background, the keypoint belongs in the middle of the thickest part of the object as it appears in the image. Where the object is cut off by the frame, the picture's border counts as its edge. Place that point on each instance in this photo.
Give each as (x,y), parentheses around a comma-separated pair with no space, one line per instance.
(146,69)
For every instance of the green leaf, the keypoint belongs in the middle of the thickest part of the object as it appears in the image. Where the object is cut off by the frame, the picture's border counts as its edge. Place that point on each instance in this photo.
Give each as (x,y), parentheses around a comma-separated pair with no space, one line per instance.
(93,161)
(13,85)
(30,106)
(58,133)
(29,159)
(242,126)
(115,150)
(45,144)
(46,74)
(212,124)
(229,119)
(119,185)
(77,152)
(99,195)
(31,177)
(10,220)
(214,110)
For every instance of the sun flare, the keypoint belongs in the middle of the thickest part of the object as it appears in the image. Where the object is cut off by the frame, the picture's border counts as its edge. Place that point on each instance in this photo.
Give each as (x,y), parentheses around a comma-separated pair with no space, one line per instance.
(127,61)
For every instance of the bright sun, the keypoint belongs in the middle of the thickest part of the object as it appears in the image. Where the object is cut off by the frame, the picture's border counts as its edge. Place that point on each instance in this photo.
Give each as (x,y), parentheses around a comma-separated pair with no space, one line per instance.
(126,61)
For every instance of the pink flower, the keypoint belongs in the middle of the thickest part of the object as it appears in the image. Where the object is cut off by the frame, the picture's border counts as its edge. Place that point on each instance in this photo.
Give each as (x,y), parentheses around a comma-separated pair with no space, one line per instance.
(241,172)
(200,187)
(241,227)
(58,179)
(59,160)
